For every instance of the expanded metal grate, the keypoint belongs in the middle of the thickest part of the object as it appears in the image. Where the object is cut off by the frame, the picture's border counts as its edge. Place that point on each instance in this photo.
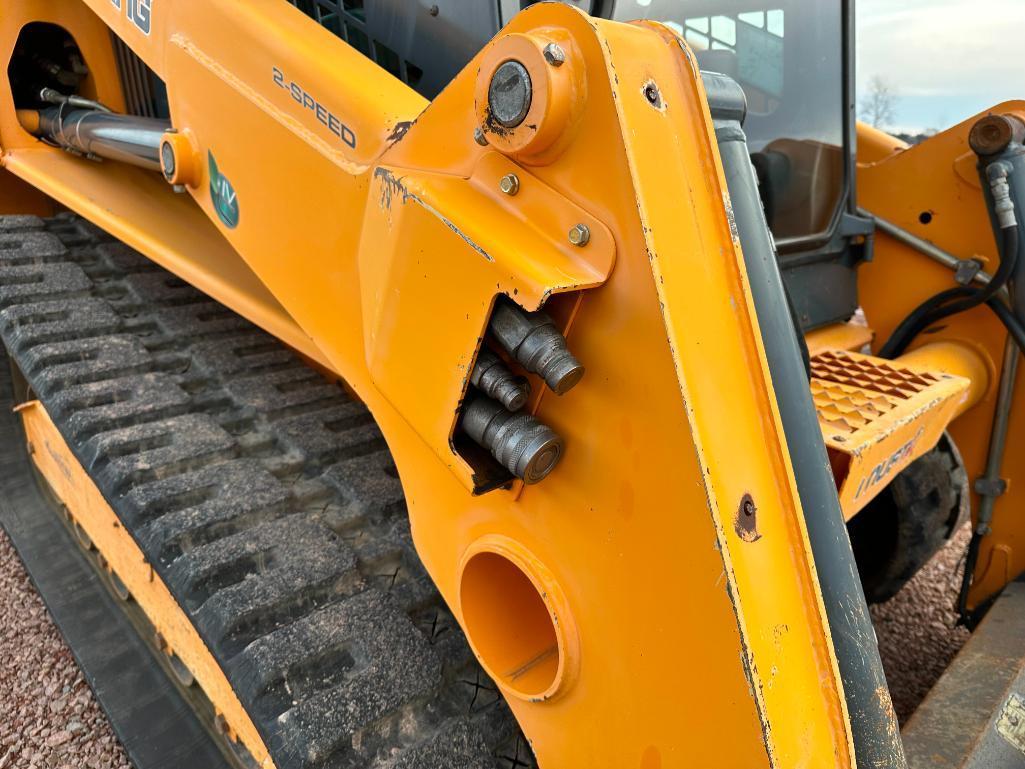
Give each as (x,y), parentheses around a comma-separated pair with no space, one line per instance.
(145,93)
(347,19)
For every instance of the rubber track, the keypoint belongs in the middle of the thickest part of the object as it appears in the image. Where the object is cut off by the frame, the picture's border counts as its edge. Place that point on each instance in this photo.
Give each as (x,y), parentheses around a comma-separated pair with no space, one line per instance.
(265,499)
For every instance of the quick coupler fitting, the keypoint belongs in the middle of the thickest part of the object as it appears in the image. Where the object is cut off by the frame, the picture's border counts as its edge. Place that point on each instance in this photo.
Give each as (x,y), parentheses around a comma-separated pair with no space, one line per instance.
(491,376)
(534,341)
(520,443)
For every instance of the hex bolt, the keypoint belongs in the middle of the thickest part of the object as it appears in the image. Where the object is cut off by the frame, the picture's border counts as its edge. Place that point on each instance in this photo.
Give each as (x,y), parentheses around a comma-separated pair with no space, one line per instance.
(532,339)
(491,376)
(580,235)
(521,444)
(509,94)
(509,184)
(167,160)
(479,137)
(554,54)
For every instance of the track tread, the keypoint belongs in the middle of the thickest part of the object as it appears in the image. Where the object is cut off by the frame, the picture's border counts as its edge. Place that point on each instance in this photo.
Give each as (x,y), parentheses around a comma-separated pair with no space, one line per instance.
(265,499)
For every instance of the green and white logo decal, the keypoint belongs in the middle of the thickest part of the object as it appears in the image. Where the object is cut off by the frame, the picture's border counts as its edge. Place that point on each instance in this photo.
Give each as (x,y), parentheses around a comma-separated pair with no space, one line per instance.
(223,195)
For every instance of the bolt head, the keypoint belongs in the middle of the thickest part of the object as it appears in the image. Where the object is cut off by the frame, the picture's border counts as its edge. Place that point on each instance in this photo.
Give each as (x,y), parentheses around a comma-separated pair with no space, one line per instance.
(509,184)
(509,94)
(554,54)
(167,159)
(579,234)
(991,135)
(479,137)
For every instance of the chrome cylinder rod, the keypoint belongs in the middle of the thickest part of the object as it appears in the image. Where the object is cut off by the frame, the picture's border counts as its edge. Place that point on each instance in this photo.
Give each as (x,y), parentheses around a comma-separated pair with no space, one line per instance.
(124,138)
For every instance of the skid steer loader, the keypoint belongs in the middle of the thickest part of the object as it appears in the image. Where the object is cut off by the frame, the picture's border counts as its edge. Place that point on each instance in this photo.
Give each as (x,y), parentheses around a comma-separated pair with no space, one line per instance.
(449,384)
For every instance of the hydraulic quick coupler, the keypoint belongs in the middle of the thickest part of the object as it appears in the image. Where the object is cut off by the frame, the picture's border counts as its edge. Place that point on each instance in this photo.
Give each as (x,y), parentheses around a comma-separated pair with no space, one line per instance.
(492,377)
(536,344)
(523,445)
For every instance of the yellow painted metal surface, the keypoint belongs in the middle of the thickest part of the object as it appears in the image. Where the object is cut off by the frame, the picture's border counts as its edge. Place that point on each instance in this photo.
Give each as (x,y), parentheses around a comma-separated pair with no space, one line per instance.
(878,416)
(838,336)
(90,511)
(682,613)
(17,197)
(932,191)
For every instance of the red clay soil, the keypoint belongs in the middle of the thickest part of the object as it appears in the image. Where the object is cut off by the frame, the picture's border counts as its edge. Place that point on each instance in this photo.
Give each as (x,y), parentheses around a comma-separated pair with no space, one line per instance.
(48,716)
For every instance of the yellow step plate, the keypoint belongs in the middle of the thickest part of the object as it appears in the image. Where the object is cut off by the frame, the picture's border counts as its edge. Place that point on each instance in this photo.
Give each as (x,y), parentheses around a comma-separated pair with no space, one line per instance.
(877,417)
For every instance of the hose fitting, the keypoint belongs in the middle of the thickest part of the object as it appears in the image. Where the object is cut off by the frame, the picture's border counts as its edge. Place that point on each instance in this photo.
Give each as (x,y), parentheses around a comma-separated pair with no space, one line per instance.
(521,444)
(491,377)
(534,341)
(1003,205)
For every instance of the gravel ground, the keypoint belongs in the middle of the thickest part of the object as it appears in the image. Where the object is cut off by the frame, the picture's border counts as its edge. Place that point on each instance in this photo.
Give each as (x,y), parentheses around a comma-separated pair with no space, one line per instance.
(49,718)
(916,628)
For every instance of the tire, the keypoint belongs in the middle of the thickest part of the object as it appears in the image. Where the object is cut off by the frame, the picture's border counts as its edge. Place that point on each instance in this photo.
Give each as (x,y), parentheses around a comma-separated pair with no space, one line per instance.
(897,533)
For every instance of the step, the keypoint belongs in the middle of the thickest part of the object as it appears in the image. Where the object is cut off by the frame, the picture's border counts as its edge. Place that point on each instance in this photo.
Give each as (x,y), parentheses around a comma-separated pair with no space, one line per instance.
(877,417)
(974,717)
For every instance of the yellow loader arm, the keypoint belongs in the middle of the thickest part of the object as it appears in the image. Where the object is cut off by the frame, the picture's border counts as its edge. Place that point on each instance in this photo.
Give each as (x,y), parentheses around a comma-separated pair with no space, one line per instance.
(662,579)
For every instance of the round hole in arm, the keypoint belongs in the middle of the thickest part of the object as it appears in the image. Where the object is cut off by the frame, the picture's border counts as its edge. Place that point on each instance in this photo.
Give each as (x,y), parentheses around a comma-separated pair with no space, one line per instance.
(510,626)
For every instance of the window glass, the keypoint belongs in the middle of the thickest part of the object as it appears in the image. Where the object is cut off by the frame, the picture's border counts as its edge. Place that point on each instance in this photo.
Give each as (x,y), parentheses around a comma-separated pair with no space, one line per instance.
(788,57)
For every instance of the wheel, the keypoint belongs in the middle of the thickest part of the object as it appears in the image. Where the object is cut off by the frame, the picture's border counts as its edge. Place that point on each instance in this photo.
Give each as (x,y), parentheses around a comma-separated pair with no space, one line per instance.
(897,533)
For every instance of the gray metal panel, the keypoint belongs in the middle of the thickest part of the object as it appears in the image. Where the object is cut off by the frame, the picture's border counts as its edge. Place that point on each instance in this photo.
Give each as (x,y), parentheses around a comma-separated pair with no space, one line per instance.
(511,7)
(822,292)
(973,718)
(438,43)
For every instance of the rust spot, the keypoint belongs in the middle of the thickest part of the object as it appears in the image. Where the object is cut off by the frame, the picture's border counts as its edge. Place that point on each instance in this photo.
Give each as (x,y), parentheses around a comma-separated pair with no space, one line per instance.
(746,522)
(399,130)
(491,124)
(653,95)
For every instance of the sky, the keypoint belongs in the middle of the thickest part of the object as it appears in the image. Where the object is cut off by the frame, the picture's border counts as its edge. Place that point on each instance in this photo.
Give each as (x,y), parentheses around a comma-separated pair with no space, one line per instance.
(947,60)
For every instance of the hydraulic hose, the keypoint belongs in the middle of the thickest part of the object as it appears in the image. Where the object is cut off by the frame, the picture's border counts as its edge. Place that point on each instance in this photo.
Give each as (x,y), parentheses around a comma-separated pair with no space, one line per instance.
(1011,322)
(962,298)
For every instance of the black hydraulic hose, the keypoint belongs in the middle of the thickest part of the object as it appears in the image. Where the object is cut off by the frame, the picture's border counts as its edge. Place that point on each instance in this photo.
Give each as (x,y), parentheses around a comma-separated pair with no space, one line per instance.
(1014,325)
(971,558)
(954,300)
(1016,330)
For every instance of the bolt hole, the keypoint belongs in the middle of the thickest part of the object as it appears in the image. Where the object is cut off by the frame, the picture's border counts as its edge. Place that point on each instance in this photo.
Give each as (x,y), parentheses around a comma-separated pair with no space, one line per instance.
(746,523)
(652,94)
(925,217)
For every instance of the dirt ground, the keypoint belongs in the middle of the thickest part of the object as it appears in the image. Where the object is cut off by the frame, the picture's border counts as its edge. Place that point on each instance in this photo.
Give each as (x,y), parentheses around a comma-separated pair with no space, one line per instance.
(49,718)
(916,628)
